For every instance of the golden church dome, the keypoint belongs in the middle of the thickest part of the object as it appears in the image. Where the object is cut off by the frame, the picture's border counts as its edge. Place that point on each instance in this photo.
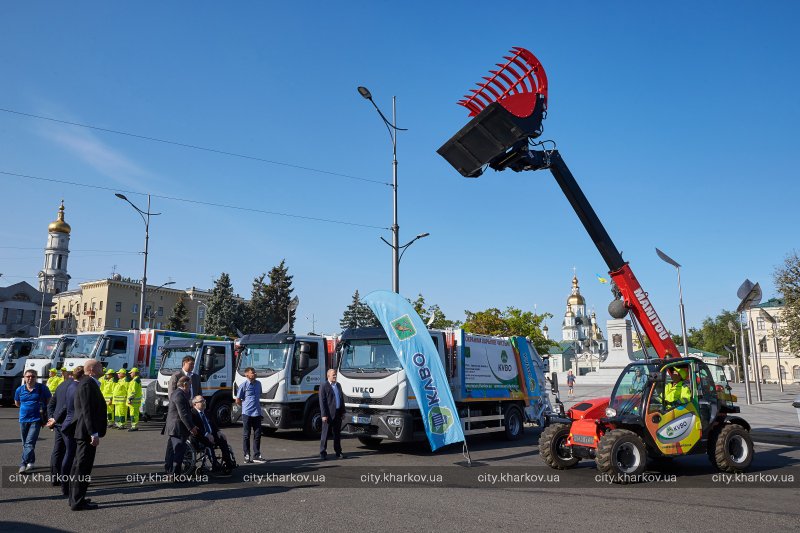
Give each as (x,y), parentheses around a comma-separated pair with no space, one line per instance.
(575,298)
(59,226)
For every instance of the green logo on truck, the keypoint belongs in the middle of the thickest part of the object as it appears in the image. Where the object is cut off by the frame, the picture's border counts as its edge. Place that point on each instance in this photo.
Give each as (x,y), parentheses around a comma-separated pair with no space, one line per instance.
(403,328)
(440,419)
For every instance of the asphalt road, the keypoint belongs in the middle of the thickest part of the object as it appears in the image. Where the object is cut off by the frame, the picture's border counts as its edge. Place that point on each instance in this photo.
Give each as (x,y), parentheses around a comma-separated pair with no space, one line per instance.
(374,490)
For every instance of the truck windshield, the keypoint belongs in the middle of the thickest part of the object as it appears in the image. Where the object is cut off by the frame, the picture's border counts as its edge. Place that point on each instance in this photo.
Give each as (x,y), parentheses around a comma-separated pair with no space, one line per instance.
(266,359)
(631,388)
(83,346)
(376,355)
(172,360)
(43,348)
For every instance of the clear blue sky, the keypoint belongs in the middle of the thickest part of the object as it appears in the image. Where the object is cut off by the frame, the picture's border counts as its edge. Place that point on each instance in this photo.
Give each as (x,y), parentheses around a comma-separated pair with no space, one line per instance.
(679,121)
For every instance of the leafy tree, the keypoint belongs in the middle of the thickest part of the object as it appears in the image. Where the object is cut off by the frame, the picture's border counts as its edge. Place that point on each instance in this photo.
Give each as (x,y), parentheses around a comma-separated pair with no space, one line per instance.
(222,317)
(278,294)
(258,308)
(787,282)
(508,323)
(440,321)
(358,315)
(179,318)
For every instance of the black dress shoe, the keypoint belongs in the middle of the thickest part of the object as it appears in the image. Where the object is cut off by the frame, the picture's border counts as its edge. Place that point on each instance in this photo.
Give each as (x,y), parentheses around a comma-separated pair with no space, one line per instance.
(323,456)
(340,456)
(86,506)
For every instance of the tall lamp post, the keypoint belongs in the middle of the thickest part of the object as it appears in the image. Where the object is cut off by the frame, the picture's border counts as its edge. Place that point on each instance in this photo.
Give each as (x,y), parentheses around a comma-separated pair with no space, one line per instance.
(732,329)
(151,315)
(772,320)
(146,218)
(664,257)
(393,129)
(750,294)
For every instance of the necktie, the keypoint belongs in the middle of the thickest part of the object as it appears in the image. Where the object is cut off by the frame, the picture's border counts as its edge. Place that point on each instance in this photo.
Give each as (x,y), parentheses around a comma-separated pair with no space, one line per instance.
(191,384)
(205,422)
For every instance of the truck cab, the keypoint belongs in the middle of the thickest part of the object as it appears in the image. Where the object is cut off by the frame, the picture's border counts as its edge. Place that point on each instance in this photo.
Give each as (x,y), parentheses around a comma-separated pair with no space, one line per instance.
(379,401)
(291,369)
(13,354)
(214,363)
(114,349)
(48,352)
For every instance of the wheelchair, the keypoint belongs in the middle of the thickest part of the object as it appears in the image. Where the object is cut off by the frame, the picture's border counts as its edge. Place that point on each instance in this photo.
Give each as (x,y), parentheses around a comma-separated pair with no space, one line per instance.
(197,459)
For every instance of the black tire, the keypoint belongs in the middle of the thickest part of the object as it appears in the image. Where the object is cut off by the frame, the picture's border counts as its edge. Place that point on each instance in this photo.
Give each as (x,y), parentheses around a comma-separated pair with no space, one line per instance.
(732,449)
(312,425)
(370,442)
(622,454)
(221,411)
(514,424)
(552,448)
(189,460)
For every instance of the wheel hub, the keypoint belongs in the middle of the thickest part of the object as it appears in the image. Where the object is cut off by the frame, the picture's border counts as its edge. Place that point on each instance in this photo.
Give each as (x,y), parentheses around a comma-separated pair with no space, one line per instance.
(628,457)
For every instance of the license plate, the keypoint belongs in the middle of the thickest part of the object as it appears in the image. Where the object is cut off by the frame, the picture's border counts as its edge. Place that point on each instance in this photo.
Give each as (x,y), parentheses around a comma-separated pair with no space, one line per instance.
(361,420)
(583,439)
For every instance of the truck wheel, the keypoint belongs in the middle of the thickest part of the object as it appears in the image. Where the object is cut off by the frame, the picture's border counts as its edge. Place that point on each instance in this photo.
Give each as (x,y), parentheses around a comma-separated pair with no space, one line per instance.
(733,449)
(514,424)
(553,449)
(622,454)
(221,411)
(370,442)
(312,425)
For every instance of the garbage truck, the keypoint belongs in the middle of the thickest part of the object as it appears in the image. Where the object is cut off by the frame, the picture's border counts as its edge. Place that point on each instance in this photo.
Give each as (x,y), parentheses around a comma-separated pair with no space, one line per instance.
(48,352)
(498,384)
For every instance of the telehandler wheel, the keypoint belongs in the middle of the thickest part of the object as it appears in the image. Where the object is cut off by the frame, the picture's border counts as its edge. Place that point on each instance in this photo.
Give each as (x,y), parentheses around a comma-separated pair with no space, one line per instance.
(553,449)
(622,454)
(732,449)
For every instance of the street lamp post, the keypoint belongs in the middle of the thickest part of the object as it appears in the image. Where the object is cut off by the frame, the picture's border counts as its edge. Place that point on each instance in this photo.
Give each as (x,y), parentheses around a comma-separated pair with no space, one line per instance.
(664,257)
(750,295)
(41,310)
(732,329)
(772,320)
(393,129)
(146,218)
(152,315)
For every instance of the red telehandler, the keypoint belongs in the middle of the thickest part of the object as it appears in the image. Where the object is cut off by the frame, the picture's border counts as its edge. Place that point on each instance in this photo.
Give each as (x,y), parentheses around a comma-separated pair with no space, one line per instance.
(660,407)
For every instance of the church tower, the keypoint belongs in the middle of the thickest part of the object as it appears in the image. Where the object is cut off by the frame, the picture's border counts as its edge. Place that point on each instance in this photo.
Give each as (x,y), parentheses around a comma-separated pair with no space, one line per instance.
(576,322)
(53,278)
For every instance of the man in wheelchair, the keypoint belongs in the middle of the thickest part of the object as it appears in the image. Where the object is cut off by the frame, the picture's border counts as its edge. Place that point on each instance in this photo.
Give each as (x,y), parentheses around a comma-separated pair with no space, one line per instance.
(209,438)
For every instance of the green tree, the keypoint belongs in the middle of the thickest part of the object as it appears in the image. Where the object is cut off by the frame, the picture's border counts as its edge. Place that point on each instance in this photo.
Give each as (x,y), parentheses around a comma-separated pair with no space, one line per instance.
(222,317)
(358,315)
(278,294)
(510,322)
(787,282)
(258,307)
(440,321)
(180,316)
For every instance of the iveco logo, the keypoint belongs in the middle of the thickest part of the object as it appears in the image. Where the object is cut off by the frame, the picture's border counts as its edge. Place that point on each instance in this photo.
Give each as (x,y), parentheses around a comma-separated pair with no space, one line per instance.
(364,390)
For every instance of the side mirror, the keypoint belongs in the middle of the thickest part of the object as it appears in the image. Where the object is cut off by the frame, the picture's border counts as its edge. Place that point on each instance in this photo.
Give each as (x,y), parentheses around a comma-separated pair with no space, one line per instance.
(105,351)
(208,359)
(554,382)
(302,361)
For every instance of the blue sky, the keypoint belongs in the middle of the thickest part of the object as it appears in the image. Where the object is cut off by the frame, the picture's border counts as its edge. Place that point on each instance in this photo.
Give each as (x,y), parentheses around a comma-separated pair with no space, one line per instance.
(678,120)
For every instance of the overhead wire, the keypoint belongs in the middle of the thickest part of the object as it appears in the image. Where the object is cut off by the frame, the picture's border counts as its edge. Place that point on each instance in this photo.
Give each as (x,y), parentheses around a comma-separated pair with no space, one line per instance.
(191,201)
(196,147)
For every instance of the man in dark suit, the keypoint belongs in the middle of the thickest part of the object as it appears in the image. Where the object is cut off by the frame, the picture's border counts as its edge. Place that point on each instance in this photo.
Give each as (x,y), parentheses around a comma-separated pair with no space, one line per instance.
(210,436)
(90,427)
(187,370)
(61,415)
(331,406)
(179,426)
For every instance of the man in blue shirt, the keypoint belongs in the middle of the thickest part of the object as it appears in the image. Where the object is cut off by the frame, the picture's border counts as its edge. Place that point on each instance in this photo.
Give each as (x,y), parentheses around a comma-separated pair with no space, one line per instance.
(31,398)
(248,398)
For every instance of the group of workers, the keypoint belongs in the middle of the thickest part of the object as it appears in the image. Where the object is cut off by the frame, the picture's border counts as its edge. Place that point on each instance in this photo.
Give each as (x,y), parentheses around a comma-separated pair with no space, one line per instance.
(121,389)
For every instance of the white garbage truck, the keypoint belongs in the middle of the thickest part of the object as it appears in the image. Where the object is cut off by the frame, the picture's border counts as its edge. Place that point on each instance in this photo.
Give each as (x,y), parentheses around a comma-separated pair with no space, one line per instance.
(498,384)
(13,354)
(214,362)
(48,352)
(291,369)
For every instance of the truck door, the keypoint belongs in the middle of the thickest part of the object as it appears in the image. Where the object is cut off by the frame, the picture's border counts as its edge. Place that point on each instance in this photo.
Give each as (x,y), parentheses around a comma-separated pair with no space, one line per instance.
(304,381)
(673,415)
(115,352)
(214,370)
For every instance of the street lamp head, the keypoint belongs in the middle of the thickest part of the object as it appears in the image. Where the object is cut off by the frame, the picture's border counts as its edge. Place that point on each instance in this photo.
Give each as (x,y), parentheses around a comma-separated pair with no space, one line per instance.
(423,235)
(121,196)
(168,283)
(363,91)
(667,259)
